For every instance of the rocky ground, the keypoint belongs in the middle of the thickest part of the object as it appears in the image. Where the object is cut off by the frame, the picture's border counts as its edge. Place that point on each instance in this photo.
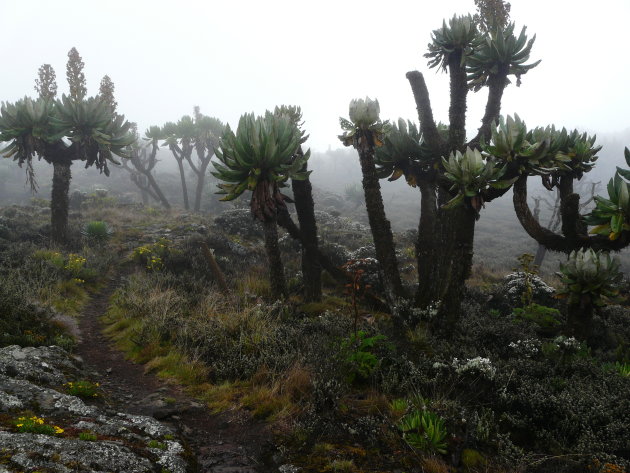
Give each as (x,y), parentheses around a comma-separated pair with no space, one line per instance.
(139,423)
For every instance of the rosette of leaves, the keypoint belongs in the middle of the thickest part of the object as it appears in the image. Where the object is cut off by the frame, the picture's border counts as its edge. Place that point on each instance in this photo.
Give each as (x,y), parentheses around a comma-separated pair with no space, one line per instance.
(97,132)
(260,157)
(364,117)
(295,115)
(523,152)
(25,124)
(402,151)
(576,150)
(571,152)
(97,231)
(153,135)
(38,126)
(590,277)
(424,430)
(459,34)
(610,216)
(471,174)
(500,52)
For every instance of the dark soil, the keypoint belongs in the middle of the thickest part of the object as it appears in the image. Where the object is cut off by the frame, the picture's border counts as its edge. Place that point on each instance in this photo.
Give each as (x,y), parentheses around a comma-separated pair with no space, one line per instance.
(227,443)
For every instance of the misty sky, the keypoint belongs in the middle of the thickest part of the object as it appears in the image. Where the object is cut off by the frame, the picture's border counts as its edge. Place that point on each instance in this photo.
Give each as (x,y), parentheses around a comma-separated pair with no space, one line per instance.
(237,56)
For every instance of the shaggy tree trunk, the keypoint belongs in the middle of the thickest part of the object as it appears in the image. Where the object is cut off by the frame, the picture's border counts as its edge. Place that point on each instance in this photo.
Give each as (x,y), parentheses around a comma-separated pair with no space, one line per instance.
(311,267)
(444,250)
(380,226)
(276,269)
(459,230)
(59,200)
(426,247)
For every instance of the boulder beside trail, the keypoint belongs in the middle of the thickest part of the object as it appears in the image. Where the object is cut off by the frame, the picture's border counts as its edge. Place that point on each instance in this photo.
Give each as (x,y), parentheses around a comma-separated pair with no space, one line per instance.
(33,383)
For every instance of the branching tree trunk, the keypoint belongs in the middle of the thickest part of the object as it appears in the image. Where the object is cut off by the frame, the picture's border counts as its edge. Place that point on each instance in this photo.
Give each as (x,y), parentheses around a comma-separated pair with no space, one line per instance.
(142,174)
(554,220)
(569,209)
(445,236)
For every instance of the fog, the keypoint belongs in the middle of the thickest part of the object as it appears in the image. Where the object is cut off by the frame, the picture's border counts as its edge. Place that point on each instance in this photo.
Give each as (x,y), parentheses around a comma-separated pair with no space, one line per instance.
(242,56)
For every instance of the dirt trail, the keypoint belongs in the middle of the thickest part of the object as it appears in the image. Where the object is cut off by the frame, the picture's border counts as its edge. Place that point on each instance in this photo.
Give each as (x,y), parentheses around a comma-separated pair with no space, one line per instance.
(226,443)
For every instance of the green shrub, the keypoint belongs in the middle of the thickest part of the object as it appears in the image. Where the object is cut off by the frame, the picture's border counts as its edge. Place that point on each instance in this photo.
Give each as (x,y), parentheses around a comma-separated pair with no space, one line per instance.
(358,354)
(546,318)
(83,389)
(156,444)
(36,425)
(87,436)
(153,257)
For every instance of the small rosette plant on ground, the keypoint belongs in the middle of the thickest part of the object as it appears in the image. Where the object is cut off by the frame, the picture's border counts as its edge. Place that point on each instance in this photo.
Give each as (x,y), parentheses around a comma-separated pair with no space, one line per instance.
(97,232)
(590,279)
(424,430)
(36,425)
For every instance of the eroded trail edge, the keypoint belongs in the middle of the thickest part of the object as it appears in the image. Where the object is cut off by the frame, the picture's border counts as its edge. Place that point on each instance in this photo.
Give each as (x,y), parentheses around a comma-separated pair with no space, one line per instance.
(222,443)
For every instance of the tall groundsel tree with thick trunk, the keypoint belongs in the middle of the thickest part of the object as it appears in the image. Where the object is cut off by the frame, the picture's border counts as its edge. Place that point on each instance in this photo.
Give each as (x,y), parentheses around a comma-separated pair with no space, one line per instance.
(305,209)
(261,157)
(365,132)
(74,128)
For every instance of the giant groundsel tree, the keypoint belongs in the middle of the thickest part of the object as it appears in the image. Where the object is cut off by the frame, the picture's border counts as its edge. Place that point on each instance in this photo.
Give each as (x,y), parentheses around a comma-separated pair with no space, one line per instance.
(261,157)
(73,128)
(457,177)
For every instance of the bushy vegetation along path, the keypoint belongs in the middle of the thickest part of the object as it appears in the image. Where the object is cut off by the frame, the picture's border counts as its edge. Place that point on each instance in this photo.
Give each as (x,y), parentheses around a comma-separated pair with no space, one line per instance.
(220,443)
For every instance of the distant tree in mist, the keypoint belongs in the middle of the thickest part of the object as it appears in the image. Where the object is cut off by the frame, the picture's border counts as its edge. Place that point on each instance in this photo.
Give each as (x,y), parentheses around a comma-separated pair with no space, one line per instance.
(74,128)
(208,131)
(140,166)
(200,135)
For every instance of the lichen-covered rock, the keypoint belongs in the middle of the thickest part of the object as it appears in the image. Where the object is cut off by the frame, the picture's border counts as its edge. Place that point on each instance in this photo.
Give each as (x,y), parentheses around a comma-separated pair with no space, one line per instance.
(42,365)
(32,384)
(36,451)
